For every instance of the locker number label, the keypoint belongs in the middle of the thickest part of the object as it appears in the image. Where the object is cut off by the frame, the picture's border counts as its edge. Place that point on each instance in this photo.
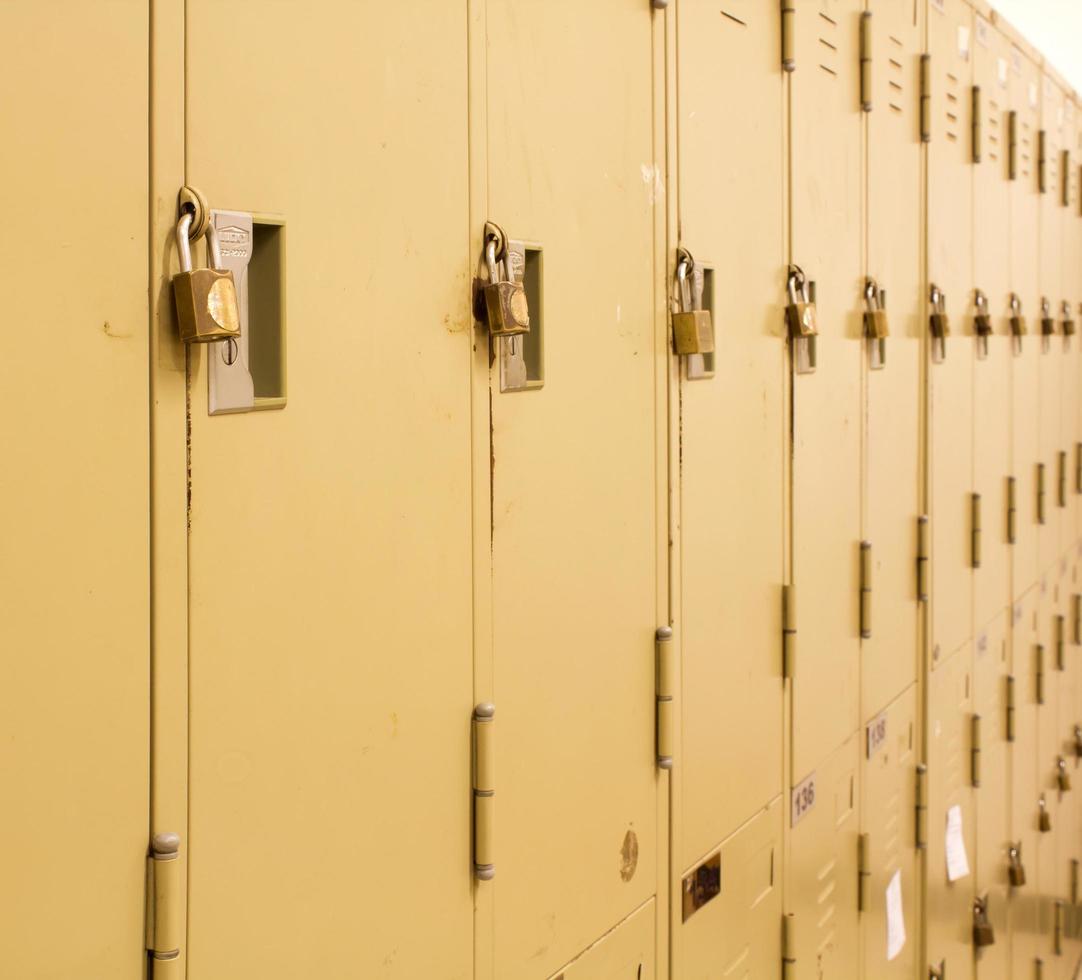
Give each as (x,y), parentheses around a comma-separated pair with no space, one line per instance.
(876,733)
(803,799)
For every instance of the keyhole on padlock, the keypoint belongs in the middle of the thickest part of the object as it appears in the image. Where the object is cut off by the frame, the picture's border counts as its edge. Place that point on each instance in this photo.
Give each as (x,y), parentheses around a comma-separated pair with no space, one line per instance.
(230,351)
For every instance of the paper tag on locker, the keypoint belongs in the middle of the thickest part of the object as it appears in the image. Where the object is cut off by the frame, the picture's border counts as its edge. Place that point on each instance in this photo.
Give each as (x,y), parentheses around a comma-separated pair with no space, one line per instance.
(1033,95)
(957,862)
(1001,68)
(895,917)
(963,42)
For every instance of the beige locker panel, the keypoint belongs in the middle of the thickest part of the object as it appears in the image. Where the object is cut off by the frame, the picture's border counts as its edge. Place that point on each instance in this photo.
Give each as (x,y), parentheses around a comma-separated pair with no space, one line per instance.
(1052,535)
(1072,345)
(892,415)
(1024,282)
(1024,911)
(822,874)
(950,231)
(735,932)
(888,790)
(991,275)
(574,526)
(625,953)
(330,597)
(74,689)
(948,906)
(731,452)
(990,767)
(827,216)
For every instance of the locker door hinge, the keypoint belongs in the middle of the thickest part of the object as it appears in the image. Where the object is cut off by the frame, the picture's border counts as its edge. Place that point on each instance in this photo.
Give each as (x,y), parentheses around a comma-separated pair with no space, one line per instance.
(1061,479)
(975,530)
(1012,510)
(484,791)
(924,536)
(975,751)
(922,807)
(165,903)
(1040,673)
(1040,493)
(665,680)
(1065,178)
(1078,451)
(1061,637)
(976,126)
(1057,935)
(1074,881)
(926,98)
(788,631)
(1042,163)
(866,61)
(788,35)
(1012,145)
(863,870)
(865,589)
(1010,707)
(1076,619)
(788,945)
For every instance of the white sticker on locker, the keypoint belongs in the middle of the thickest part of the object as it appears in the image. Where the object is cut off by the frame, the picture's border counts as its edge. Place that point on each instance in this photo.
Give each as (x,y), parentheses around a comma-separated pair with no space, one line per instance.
(895,917)
(1001,68)
(963,42)
(1033,95)
(957,862)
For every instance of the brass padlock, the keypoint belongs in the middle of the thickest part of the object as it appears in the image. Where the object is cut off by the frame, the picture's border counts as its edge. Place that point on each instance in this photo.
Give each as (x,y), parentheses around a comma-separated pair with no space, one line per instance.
(800,313)
(939,324)
(1063,778)
(982,320)
(1018,322)
(1044,818)
(1016,871)
(507,312)
(983,933)
(207,308)
(1068,321)
(875,313)
(692,326)
(1048,322)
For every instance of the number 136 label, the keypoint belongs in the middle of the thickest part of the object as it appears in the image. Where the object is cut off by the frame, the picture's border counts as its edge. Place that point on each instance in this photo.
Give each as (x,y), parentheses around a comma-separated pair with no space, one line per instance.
(803,798)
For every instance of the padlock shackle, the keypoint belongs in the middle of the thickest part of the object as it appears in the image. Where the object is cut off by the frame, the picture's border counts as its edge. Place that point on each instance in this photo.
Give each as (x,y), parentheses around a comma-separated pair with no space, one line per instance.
(184,245)
(213,246)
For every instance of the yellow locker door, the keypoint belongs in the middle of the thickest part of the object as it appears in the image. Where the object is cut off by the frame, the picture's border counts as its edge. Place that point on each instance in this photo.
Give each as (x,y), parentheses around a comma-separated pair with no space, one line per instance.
(892,416)
(950,380)
(991,776)
(74,566)
(888,854)
(951,819)
(1025,836)
(731,453)
(822,874)
(1051,175)
(330,597)
(826,233)
(1024,251)
(574,545)
(992,367)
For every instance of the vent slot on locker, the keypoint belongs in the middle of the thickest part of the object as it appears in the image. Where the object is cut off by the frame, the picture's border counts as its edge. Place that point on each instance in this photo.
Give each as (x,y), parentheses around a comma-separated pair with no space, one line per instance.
(266,314)
(896,76)
(828,44)
(954,108)
(1027,147)
(701,366)
(522,357)
(993,129)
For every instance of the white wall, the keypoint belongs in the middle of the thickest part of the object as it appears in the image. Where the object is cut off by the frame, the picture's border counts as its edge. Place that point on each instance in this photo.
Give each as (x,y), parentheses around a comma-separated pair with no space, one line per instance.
(1054,27)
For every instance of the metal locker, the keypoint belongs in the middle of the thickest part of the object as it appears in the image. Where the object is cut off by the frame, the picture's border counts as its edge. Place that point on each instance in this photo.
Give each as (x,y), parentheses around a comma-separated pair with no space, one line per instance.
(949,117)
(329,746)
(826,231)
(950,825)
(822,930)
(989,753)
(731,475)
(74,563)
(729,904)
(577,483)
(887,850)
(892,40)
(625,953)
(990,300)
(1070,314)
(1023,125)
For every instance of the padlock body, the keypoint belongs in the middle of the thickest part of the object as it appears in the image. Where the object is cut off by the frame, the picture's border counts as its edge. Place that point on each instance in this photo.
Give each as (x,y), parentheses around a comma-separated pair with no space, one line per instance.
(875,324)
(207,308)
(1017,875)
(1018,326)
(1044,823)
(941,327)
(982,324)
(693,332)
(1048,326)
(802,319)
(983,934)
(1068,328)
(506,308)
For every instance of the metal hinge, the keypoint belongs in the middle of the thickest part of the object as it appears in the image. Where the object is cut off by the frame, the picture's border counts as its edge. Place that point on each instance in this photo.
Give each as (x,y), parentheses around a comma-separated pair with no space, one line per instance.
(1078,451)
(975,530)
(484,791)
(1057,935)
(926,98)
(1061,479)
(922,807)
(665,686)
(1012,510)
(165,902)
(976,126)
(1010,707)
(923,553)
(1061,637)
(865,589)
(864,872)
(975,751)
(1065,178)
(1040,673)
(788,631)
(1074,881)
(1042,167)
(1076,619)
(866,61)
(1040,493)
(788,945)
(1012,145)
(788,35)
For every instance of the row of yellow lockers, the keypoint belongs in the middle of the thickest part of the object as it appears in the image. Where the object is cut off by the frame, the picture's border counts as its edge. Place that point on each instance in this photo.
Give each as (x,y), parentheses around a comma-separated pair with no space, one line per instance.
(408,651)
